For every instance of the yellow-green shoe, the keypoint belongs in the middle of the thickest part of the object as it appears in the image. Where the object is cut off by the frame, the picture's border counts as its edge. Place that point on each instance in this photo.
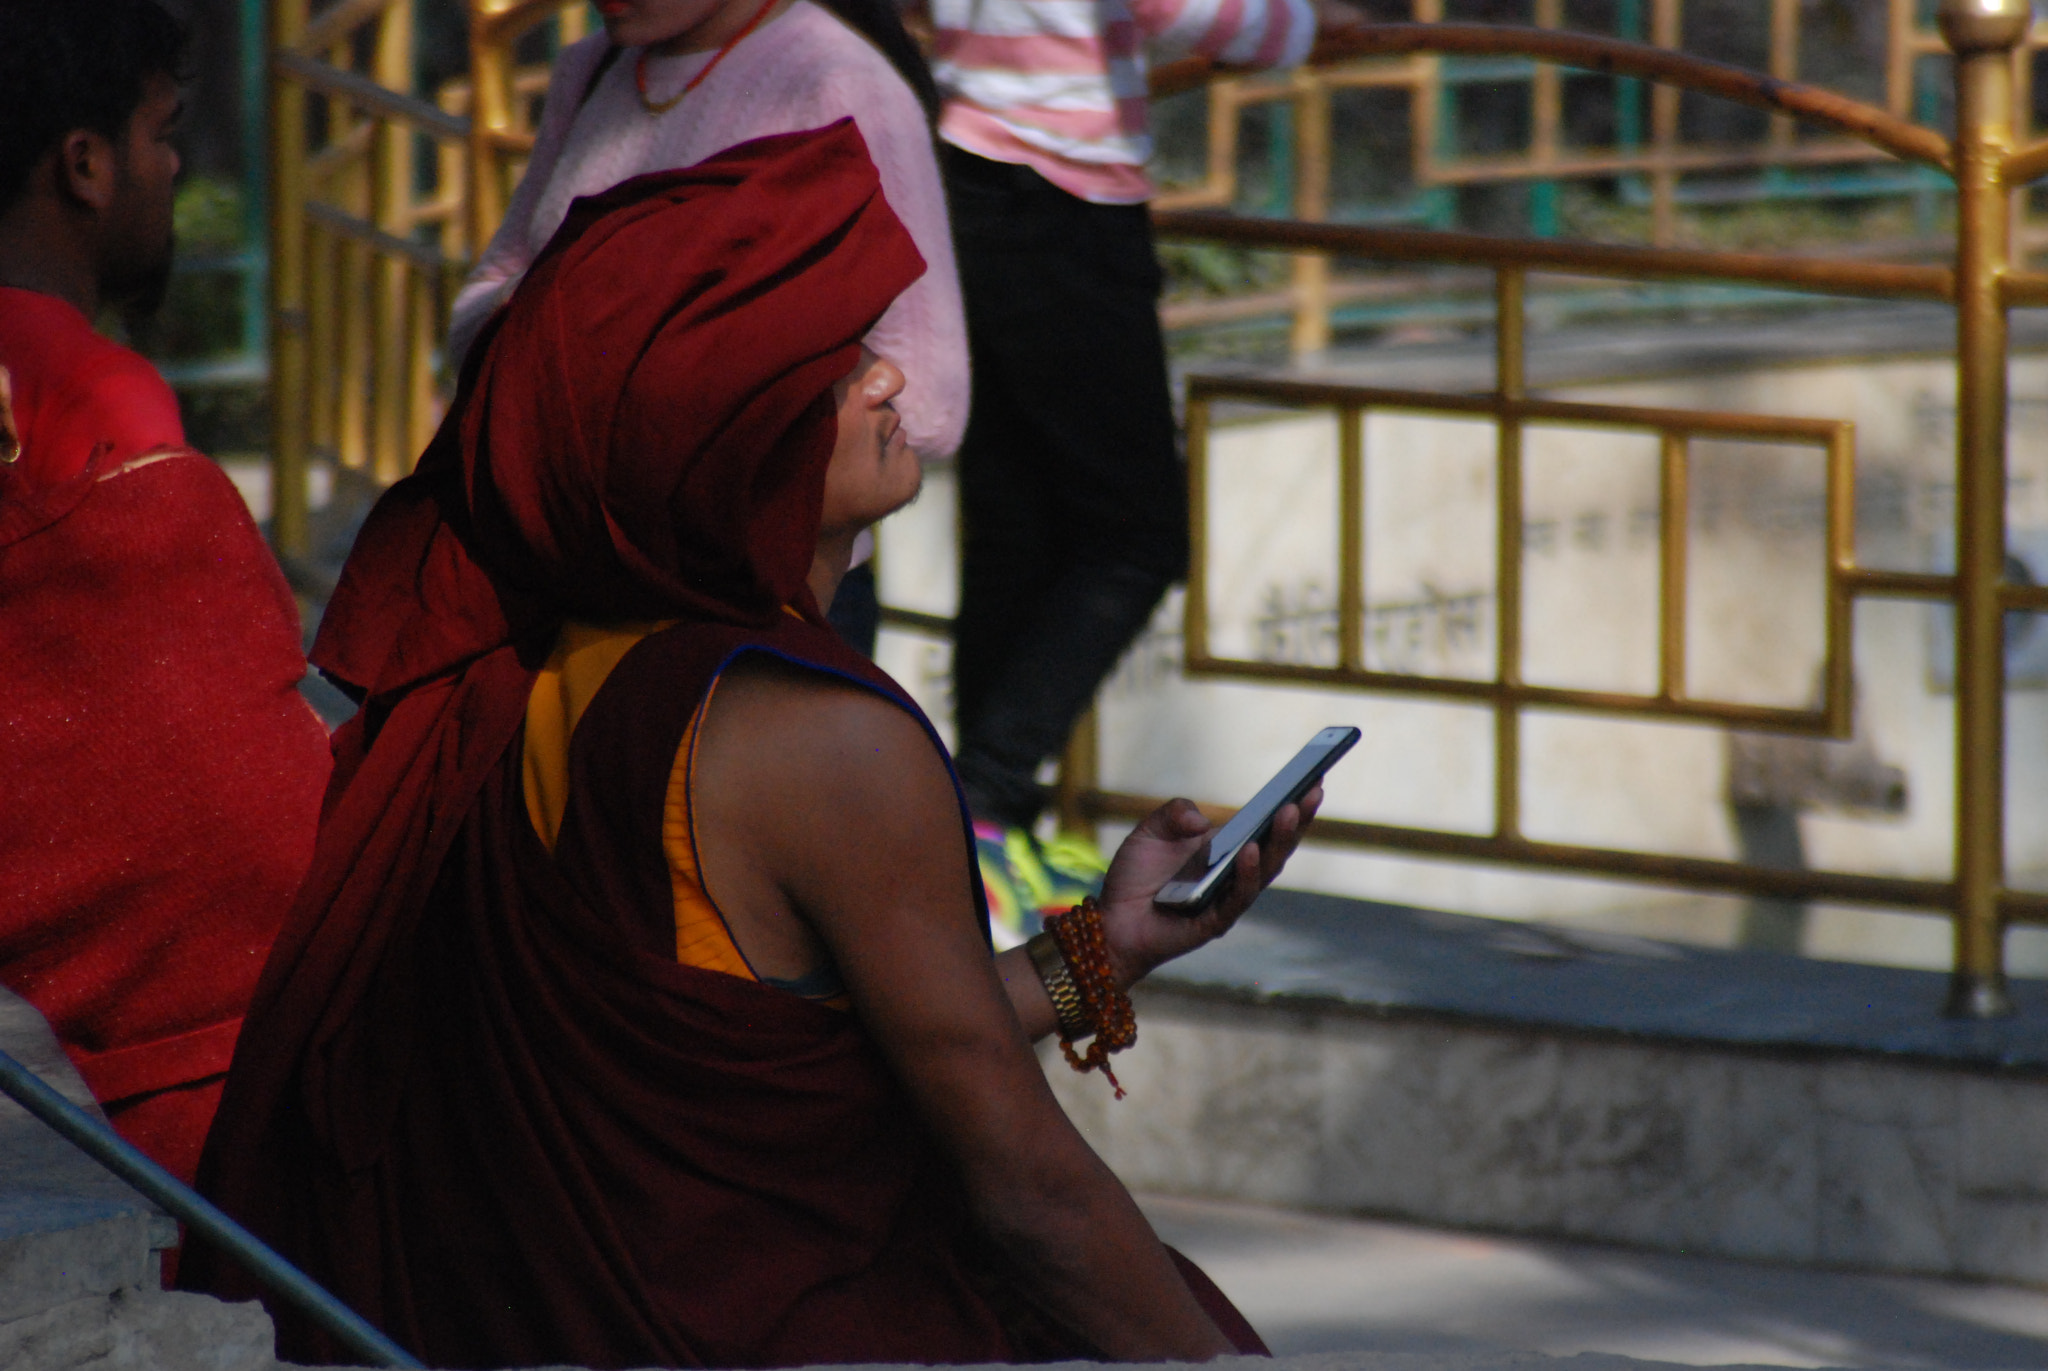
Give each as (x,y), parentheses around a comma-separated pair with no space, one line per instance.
(1075,857)
(1071,868)
(1012,916)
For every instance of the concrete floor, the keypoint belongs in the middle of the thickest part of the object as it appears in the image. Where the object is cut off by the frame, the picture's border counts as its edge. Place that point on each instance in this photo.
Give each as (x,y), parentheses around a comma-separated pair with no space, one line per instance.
(1315,1283)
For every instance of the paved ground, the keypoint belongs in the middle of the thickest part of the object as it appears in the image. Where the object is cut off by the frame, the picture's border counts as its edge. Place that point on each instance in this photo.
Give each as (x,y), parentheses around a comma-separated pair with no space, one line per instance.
(1319,1284)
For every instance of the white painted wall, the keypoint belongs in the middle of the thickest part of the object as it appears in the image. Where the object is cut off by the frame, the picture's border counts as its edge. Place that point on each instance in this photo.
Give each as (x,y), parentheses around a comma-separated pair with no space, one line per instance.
(1591,502)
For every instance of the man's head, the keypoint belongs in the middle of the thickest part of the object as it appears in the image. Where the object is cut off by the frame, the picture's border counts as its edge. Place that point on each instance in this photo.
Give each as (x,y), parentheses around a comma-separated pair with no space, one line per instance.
(88,104)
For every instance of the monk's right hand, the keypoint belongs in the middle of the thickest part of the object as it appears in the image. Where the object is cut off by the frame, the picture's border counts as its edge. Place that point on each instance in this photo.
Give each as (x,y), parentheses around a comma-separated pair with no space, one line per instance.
(1141,936)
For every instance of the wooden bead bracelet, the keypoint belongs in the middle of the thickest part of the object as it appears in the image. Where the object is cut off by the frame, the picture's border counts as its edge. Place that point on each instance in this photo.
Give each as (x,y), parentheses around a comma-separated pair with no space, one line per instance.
(1105,1008)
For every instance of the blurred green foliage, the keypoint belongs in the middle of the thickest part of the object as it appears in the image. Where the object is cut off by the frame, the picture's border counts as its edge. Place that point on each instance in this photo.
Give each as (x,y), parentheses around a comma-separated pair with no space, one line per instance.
(202,313)
(1760,226)
(1194,270)
(208,215)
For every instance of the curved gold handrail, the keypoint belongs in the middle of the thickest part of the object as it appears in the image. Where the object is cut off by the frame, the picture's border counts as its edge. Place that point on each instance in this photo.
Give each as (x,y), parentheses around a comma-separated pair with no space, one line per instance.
(1820,275)
(1615,57)
(2026,164)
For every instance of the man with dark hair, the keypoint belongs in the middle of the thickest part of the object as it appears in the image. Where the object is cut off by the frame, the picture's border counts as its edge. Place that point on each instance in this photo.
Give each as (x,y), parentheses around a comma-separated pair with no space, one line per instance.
(159,775)
(73,79)
(88,106)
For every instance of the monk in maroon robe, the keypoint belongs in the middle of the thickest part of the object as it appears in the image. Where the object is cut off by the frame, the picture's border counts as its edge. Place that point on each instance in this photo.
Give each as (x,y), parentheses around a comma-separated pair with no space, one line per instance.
(160,776)
(639,1008)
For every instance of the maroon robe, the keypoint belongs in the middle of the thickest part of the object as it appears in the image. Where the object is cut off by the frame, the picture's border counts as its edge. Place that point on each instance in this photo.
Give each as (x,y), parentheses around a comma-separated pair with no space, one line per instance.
(478,1097)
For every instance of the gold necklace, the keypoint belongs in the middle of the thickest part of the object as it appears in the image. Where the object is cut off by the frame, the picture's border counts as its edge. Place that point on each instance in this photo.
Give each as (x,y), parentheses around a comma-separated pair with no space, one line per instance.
(653,106)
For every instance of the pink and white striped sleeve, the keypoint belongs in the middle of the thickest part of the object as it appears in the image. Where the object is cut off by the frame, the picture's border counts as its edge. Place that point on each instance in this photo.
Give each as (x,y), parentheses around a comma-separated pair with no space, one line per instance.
(1247,33)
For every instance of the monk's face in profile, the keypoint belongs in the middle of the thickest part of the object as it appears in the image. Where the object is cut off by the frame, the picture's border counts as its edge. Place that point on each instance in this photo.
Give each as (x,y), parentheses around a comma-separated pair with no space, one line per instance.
(135,226)
(873,471)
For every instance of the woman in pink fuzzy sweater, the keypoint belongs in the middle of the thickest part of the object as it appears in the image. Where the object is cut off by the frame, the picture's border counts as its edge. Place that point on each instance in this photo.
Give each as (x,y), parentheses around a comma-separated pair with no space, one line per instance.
(672,82)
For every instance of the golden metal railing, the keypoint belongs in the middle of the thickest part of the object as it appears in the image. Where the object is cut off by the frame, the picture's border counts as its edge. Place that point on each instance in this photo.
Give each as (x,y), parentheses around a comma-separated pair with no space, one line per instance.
(380,194)
(1989,164)
(1409,58)
(1511,411)
(360,296)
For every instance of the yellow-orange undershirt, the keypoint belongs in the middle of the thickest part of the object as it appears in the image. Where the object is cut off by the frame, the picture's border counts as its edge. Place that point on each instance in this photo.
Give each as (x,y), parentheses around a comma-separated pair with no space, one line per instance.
(583,658)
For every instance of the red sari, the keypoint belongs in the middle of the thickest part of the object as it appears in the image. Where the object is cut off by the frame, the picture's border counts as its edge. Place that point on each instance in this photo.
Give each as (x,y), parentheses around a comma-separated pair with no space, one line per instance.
(160,776)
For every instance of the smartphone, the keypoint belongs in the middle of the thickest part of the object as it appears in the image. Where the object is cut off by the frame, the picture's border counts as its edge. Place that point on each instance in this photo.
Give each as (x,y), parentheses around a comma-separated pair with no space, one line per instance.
(1208,871)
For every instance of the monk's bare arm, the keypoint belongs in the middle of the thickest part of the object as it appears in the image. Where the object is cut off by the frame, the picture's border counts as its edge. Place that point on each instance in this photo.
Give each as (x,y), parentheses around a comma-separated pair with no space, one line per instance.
(831,799)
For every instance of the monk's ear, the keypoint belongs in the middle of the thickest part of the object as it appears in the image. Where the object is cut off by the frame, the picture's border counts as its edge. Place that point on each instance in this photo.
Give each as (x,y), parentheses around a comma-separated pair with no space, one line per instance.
(87,169)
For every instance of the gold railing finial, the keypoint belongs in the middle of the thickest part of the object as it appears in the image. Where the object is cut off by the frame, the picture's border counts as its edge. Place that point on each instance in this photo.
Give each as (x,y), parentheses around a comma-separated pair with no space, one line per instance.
(1978,25)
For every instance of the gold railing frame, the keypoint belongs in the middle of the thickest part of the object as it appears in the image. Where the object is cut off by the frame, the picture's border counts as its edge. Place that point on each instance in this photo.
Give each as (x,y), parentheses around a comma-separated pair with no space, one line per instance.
(1983,285)
(1404,56)
(1982,34)
(1834,439)
(358,302)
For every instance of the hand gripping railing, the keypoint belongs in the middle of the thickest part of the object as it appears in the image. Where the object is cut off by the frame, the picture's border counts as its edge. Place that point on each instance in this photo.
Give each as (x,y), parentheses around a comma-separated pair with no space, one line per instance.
(106,1147)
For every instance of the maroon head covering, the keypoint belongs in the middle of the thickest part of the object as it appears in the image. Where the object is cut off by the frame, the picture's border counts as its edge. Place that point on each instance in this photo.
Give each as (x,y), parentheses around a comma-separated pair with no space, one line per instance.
(644,434)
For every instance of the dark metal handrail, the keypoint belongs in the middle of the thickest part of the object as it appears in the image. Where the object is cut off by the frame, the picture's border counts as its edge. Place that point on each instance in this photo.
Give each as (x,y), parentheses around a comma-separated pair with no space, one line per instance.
(159,1186)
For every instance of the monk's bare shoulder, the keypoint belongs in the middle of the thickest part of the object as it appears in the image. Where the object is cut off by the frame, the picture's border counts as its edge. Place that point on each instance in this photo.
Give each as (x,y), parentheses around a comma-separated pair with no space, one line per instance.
(829,780)
(821,717)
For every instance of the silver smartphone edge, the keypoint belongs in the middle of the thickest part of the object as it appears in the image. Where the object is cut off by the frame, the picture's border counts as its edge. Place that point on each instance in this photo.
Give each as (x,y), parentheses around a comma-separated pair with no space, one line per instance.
(1190,895)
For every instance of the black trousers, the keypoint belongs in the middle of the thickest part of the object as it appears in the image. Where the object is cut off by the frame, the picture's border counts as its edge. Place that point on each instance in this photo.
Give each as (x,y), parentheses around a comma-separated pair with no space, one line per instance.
(1073,495)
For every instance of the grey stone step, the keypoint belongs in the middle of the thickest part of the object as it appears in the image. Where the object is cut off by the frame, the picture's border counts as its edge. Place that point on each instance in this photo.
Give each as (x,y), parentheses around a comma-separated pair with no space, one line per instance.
(1344,1056)
(68,1229)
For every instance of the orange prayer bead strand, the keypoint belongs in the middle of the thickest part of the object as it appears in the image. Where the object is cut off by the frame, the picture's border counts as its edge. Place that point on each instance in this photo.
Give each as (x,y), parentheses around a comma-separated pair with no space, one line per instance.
(1079,932)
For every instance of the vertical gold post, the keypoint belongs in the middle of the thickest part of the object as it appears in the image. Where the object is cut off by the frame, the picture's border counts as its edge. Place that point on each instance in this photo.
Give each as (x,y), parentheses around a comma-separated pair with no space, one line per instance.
(1351,537)
(1838,702)
(451,163)
(341,347)
(1900,55)
(1982,34)
(2022,131)
(288,411)
(321,335)
(1511,383)
(1784,64)
(1080,772)
(1673,518)
(1311,204)
(389,382)
(490,115)
(1546,93)
(2023,92)
(352,397)
(1195,607)
(390,204)
(1223,115)
(423,314)
(1424,95)
(1664,32)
